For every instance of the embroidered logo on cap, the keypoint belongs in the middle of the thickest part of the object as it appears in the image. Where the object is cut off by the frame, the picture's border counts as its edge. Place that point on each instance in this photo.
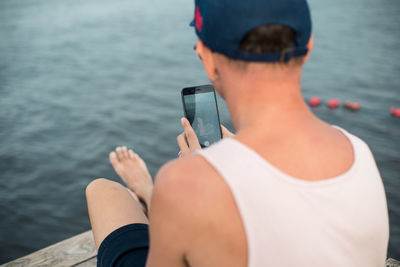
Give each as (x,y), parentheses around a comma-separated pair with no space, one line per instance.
(198,18)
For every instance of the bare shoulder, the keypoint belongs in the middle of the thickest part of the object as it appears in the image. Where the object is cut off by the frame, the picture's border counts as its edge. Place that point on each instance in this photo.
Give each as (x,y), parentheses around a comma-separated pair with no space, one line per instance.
(183,165)
(341,145)
(183,171)
(332,151)
(195,200)
(185,180)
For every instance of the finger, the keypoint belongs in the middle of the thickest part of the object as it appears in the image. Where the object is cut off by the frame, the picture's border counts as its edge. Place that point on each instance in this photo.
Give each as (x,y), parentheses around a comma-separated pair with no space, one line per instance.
(190,135)
(183,145)
(225,132)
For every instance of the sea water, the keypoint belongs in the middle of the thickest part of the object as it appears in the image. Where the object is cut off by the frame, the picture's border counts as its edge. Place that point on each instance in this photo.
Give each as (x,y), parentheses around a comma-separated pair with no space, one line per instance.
(78,78)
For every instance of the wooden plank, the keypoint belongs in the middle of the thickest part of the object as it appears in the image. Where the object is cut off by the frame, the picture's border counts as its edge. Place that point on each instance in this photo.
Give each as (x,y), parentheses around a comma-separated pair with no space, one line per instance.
(79,251)
(89,263)
(70,252)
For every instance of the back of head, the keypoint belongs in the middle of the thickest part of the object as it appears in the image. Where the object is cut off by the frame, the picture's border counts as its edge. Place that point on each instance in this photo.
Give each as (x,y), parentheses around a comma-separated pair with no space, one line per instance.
(269,31)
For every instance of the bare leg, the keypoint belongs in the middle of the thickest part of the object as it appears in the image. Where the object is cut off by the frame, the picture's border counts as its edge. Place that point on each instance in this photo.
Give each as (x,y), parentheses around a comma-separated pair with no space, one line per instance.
(110,207)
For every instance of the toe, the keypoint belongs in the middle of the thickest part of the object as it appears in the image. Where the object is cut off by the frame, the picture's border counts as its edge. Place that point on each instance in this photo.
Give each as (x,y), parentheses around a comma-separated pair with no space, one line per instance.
(131,154)
(119,152)
(114,159)
(125,152)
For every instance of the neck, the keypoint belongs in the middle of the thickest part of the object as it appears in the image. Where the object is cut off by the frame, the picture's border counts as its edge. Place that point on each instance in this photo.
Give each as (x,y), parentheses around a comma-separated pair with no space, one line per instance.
(272,98)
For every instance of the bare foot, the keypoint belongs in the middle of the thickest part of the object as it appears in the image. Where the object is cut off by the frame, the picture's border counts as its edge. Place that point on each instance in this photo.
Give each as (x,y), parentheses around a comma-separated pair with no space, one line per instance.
(133,171)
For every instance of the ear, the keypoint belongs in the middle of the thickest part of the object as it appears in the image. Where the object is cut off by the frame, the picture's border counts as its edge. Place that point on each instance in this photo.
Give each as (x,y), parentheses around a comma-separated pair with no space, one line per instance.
(207,57)
(310,47)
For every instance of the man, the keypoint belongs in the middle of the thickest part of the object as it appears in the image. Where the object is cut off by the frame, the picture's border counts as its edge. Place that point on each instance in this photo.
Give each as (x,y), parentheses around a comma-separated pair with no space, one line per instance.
(286,190)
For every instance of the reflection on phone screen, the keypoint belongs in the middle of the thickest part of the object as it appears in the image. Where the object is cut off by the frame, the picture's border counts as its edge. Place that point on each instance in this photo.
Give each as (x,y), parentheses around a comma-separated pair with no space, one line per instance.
(203,116)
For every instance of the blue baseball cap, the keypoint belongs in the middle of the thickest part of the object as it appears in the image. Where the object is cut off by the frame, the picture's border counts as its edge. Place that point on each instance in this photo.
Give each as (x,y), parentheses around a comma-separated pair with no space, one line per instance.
(222,24)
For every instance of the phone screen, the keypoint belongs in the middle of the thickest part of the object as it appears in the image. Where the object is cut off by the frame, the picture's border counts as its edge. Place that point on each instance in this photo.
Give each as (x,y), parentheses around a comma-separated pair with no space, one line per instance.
(201,110)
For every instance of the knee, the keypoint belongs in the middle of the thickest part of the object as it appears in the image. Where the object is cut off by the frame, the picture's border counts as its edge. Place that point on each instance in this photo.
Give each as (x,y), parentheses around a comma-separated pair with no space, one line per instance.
(101,186)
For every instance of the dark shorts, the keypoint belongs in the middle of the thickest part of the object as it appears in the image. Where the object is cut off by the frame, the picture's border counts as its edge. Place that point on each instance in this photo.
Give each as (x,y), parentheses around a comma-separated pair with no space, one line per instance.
(126,246)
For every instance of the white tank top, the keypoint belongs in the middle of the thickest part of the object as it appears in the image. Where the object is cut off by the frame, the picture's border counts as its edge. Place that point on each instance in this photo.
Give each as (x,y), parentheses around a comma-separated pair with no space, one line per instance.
(342,221)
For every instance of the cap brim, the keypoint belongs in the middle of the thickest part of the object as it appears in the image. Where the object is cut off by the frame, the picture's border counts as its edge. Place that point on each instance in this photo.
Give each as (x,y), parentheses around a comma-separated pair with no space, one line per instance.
(192,24)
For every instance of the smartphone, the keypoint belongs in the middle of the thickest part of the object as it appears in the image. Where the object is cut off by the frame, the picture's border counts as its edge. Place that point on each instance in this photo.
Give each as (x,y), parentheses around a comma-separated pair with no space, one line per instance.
(201,110)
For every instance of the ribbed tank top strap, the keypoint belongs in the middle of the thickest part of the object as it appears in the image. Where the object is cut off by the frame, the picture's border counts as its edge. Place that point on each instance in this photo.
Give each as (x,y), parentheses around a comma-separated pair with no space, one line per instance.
(239,169)
(232,162)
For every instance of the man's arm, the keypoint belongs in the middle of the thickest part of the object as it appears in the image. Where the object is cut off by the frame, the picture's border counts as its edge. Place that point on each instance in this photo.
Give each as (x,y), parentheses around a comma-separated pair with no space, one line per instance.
(173,220)
(169,224)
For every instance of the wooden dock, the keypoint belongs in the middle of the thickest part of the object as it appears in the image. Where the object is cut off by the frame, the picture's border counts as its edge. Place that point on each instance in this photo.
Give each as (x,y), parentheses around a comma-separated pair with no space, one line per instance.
(78,251)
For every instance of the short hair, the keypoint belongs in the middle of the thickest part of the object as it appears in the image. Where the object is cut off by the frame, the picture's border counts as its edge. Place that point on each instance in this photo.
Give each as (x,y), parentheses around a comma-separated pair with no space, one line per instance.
(269,39)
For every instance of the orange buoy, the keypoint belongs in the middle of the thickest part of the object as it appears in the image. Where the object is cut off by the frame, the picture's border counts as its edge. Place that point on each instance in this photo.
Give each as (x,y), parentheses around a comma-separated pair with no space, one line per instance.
(352,105)
(333,103)
(395,112)
(314,101)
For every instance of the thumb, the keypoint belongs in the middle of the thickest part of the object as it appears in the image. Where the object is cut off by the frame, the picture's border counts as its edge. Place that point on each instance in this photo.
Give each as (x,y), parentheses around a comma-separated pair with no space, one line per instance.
(190,135)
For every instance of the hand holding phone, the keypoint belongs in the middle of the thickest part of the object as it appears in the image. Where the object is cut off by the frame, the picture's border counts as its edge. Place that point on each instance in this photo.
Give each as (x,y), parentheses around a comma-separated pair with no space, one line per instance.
(187,141)
(201,110)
